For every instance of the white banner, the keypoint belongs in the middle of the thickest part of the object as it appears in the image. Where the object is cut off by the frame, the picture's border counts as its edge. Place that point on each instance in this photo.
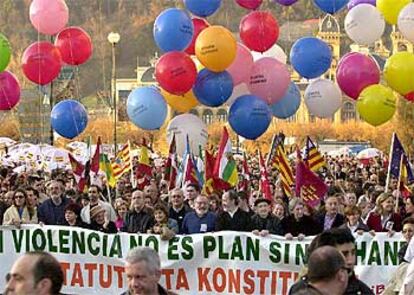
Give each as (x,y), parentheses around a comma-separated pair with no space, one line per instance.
(225,262)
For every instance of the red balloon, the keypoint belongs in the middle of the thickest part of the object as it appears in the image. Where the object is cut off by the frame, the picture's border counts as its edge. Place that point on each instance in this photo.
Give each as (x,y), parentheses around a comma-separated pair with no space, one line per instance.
(41,62)
(250,4)
(176,72)
(75,45)
(259,30)
(199,25)
(9,91)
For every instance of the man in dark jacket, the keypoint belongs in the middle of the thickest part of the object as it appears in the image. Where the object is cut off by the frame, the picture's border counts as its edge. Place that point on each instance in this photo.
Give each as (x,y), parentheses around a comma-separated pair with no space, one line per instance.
(343,240)
(138,220)
(232,217)
(52,211)
(178,208)
(330,218)
(263,222)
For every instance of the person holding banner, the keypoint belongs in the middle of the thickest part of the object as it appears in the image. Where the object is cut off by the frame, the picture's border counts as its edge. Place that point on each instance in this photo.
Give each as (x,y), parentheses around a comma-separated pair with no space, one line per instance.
(18,213)
(232,217)
(138,219)
(201,220)
(297,224)
(263,222)
(100,222)
(383,218)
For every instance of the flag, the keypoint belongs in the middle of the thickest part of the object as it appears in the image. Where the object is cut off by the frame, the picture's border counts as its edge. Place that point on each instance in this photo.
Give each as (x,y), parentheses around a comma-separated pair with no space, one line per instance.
(404,178)
(96,157)
(277,140)
(170,173)
(313,158)
(244,184)
(309,186)
(78,172)
(189,173)
(264,179)
(225,168)
(122,163)
(209,162)
(285,171)
(144,169)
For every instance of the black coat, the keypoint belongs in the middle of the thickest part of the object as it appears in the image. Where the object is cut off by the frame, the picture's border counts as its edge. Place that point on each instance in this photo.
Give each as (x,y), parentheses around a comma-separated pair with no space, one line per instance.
(239,222)
(271,223)
(306,226)
(138,222)
(110,229)
(338,221)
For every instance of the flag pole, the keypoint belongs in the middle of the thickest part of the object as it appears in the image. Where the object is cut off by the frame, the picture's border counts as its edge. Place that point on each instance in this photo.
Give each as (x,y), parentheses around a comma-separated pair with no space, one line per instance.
(387,183)
(132,178)
(397,202)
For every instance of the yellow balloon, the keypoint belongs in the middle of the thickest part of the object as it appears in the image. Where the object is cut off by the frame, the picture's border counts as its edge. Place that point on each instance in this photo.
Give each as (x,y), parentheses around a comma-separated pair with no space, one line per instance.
(179,103)
(376,104)
(216,48)
(390,9)
(399,72)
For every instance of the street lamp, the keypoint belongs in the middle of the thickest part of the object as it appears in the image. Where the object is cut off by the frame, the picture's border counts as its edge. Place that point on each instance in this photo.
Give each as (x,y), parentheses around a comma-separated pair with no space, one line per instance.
(114,38)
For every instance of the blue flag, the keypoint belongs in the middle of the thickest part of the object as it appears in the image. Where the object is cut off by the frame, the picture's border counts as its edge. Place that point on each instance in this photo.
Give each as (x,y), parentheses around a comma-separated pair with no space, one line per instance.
(399,161)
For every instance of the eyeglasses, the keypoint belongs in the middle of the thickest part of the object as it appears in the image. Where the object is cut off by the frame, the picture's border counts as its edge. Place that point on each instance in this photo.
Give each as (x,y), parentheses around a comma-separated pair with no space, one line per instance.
(19,197)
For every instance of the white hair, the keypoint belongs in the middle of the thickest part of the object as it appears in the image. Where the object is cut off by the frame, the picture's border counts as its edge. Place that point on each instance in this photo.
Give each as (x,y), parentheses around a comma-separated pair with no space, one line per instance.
(149,255)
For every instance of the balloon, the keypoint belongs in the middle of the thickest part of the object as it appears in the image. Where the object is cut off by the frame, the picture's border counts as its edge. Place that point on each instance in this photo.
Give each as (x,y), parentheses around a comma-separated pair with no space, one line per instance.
(5,52)
(406,22)
(353,3)
(275,51)
(242,65)
(355,72)
(238,91)
(202,8)
(259,30)
(331,6)
(49,17)
(250,116)
(213,89)
(9,91)
(286,2)
(69,118)
(75,45)
(310,57)
(364,24)
(216,48)
(181,104)
(199,25)
(409,96)
(269,79)
(323,98)
(376,104)
(390,9)
(191,125)
(41,62)
(173,30)
(176,72)
(250,4)
(146,108)
(288,105)
(399,72)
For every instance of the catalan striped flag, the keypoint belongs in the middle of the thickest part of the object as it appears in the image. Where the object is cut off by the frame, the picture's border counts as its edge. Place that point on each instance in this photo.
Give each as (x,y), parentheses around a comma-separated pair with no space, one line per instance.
(277,140)
(313,158)
(122,163)
(285,171)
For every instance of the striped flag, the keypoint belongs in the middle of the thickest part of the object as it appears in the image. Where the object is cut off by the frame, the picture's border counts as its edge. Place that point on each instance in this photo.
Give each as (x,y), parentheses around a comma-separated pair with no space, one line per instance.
(225,168)
(277,140)
(313,158)
(122,163)
(285,171)
(144,169)
(264,179)
(106,167)
(170,173)
(190,173)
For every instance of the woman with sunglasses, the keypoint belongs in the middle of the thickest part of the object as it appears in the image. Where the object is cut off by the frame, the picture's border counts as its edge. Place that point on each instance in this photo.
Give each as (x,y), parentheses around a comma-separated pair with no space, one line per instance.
(18,212)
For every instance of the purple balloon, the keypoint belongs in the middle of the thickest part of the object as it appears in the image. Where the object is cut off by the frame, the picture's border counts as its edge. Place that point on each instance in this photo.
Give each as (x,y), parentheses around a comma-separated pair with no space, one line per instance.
(286,2)
(9,91)
(353,3)
(355,72)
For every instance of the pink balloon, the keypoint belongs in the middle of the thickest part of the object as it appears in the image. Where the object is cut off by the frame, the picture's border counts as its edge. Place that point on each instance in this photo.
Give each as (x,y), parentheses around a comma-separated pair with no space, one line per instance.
(49,16)
(242,65)
(269,79)
(9,91)
(74,45)
(41,62)
(250,4)
(355,72)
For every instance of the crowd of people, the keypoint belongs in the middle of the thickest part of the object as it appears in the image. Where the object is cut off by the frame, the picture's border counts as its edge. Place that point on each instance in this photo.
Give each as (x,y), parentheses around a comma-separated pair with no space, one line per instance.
(357,200)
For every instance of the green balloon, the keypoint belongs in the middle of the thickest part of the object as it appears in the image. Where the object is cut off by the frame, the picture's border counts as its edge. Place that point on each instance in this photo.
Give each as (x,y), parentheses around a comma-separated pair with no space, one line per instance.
(5,52)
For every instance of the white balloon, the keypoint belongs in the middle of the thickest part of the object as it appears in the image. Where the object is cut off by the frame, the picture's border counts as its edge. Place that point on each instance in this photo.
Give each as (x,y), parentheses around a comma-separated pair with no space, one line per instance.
(238,91)
(323,98)
(406,22)
(364,24)
(275,52)
(191,125)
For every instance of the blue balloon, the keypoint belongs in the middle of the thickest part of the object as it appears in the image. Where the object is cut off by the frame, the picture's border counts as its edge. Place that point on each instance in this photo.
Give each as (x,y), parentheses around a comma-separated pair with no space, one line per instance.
(288,105)
(310,57)
(173,30)
(213,89)
(331,6)
(146,108)
(202,8)
(69,118)
(250,116)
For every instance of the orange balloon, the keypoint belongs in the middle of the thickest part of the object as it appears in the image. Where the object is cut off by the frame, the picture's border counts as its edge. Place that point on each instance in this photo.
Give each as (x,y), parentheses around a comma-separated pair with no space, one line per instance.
(180,103)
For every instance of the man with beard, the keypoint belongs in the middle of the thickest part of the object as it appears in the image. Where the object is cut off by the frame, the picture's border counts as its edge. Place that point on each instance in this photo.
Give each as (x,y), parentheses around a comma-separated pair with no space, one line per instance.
(201,220)
(52,211)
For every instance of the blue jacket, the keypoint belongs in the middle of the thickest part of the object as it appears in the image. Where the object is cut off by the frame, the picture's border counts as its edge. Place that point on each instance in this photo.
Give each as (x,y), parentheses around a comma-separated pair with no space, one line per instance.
(192,224)
(50,214)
